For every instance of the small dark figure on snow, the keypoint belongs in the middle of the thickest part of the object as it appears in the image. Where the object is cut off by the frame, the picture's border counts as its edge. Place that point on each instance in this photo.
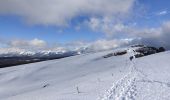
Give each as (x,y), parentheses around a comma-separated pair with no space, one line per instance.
(46,85)
(131,58)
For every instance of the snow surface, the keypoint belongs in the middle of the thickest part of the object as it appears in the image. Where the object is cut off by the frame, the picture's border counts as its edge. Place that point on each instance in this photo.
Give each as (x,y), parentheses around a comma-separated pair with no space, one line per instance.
(89,77)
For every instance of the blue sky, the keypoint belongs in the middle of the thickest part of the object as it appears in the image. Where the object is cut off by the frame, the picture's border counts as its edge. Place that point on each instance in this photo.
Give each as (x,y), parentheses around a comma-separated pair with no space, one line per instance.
(81,22)
(12,27)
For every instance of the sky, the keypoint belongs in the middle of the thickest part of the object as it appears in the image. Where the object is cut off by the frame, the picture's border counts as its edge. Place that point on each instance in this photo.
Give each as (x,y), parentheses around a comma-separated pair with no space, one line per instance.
(100,24)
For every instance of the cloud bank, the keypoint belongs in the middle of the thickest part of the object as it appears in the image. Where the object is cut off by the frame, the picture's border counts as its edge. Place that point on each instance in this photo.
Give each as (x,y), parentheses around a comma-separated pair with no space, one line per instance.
(157,36)
(99,45)
(34,44)
(154,36)
(93,46)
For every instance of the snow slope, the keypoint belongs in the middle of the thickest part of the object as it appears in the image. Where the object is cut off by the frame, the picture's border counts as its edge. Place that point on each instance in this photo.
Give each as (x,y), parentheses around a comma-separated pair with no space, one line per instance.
(148,79)
(89,77)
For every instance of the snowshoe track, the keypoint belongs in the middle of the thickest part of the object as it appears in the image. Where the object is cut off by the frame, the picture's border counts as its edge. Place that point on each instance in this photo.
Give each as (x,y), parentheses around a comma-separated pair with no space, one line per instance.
(125,88)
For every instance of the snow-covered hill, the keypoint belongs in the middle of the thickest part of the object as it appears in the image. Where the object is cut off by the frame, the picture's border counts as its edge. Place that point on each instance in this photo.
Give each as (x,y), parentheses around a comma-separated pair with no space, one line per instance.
(89,77)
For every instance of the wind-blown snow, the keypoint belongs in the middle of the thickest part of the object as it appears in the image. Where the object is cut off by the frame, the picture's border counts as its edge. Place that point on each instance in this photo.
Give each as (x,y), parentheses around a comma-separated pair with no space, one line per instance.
(89,77)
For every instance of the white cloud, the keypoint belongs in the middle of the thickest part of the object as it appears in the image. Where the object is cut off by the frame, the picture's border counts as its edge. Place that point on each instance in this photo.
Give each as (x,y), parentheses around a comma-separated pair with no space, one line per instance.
(40,45)
(108,44)
(99,45)
(162,13)
(109,26)
(37,43)
(61,12)
(157,36)
(34,44)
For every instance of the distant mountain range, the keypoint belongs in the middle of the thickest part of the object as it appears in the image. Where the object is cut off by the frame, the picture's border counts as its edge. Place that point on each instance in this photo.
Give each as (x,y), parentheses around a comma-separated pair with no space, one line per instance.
(16,56)
(17,52)
(11,52)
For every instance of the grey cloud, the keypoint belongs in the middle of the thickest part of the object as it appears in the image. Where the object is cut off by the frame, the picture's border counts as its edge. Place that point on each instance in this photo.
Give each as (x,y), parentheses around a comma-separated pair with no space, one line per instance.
(156,36)
(163,39)
(60,12)
(159,36)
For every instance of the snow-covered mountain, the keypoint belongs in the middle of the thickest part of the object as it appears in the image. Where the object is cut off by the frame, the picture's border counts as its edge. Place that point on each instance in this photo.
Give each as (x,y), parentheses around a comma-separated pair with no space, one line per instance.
(14,52)
(90,77)
(10,52)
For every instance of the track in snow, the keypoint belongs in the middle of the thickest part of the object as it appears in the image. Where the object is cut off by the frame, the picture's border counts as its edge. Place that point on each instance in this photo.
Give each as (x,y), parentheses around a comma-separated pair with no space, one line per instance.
(125,88)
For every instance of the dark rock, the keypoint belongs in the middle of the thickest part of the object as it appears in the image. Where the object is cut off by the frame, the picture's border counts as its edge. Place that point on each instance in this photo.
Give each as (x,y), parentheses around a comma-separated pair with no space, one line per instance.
(139,55)
(120,53)
(109,55)
(161,49)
